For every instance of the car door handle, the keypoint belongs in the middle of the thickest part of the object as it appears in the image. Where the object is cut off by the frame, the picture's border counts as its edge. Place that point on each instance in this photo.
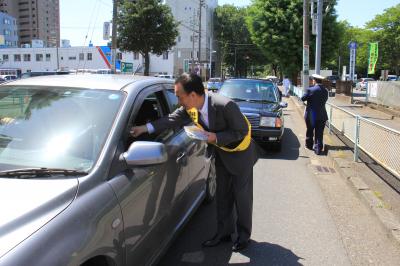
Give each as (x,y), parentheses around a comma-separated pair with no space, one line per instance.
(180,157)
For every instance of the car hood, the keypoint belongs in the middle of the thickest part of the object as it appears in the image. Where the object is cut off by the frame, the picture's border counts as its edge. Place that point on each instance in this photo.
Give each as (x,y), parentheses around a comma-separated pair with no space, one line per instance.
(259,108)
(27,205)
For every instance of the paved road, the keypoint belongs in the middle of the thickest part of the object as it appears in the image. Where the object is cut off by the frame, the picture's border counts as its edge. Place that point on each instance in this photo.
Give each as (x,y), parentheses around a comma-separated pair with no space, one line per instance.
(301,217)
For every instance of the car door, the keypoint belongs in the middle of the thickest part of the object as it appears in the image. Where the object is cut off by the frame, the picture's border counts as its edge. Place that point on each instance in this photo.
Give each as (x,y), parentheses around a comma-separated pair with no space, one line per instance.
(146,194)
(196,152)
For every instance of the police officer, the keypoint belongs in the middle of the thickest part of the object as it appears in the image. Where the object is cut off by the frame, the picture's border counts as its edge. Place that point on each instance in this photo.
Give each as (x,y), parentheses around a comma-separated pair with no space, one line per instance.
(315,114)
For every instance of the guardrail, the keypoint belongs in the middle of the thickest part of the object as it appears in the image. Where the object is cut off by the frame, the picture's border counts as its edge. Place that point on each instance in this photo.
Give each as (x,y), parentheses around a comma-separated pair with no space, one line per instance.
(379,142)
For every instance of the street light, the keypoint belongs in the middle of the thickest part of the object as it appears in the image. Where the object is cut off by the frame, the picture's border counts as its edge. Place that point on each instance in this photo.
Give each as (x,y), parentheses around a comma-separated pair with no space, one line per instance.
(211,52)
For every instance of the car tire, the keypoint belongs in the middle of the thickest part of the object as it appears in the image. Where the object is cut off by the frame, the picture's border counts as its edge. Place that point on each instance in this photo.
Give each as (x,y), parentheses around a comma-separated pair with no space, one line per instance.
(211,183)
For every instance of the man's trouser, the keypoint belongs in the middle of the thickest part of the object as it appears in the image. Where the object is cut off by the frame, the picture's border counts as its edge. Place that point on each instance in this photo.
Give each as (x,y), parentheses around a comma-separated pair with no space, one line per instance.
(315,134)
(234,191)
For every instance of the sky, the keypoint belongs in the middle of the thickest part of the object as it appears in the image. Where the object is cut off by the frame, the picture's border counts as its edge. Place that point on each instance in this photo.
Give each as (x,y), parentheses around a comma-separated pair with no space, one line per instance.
(82,20)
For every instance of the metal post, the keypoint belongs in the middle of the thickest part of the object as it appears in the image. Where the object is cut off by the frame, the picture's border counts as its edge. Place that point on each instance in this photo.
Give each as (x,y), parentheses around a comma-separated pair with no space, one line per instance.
(357,137)
(306,45)
(114,37)
(330,120)
(319,37)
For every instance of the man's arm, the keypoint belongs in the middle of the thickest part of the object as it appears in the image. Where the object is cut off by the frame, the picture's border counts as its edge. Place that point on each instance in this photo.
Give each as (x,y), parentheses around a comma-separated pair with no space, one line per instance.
(178,118)
(237,125)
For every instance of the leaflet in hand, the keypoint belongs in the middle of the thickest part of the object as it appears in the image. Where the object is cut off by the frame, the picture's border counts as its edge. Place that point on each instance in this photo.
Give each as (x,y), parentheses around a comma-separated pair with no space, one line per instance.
(195,133)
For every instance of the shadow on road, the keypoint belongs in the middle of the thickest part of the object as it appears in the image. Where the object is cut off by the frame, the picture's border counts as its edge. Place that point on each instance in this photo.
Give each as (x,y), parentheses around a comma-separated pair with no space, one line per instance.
(289,151)
(187,249)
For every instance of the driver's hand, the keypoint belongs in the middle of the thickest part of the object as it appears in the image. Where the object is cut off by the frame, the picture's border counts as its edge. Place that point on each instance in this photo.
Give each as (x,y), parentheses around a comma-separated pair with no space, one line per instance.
(138,130)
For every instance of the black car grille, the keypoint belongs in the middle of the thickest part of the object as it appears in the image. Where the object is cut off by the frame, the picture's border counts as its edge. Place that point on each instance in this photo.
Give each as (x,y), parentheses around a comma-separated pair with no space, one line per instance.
(254,120)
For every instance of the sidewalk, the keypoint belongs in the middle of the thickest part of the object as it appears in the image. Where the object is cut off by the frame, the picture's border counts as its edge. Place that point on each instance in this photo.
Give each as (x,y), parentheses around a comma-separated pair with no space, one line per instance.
(376,194)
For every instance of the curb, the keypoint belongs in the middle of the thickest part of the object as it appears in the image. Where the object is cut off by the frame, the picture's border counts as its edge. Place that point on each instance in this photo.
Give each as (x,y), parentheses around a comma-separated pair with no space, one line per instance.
(342,161)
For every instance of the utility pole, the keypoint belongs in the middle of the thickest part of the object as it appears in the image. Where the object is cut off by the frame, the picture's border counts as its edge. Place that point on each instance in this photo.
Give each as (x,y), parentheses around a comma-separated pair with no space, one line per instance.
(319,37)
(201,4)
(114,37)
(306,45)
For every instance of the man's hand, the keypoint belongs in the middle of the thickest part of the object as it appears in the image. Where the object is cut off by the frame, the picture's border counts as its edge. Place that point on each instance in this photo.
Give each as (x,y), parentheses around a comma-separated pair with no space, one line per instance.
(212,137)
(137,131)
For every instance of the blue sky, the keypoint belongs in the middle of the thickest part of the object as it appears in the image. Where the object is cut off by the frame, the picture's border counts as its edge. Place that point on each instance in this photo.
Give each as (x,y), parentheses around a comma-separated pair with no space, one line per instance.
(81,18)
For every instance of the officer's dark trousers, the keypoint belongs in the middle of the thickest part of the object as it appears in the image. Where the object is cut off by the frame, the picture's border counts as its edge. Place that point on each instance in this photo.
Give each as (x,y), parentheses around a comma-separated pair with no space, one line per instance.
(234,191)
(315,134)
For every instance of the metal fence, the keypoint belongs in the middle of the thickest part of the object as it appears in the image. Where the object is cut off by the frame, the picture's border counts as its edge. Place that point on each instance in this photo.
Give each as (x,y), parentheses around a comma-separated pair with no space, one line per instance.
(381,143)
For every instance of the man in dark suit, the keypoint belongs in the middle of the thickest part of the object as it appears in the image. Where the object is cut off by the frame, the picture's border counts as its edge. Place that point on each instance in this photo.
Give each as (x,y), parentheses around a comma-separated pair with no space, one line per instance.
(315,114)
(227,130)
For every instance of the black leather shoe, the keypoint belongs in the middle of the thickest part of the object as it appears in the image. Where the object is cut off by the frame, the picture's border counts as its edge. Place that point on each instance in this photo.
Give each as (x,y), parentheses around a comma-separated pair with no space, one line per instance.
(238,246)
(216,240)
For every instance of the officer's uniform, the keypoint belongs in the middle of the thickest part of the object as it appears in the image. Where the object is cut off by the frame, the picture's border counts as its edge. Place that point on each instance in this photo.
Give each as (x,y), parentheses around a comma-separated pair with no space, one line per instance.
(315,114)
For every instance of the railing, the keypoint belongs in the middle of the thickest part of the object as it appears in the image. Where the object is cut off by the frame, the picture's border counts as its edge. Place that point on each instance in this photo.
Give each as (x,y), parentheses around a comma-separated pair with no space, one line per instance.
(379,142)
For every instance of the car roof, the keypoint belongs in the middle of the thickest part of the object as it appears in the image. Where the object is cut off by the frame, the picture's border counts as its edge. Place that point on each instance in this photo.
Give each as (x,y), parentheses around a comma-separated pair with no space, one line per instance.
(88,81)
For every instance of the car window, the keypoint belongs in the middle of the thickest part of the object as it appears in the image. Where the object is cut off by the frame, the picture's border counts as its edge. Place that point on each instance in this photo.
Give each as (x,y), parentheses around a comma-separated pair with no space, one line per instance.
(54,127)
(253,90)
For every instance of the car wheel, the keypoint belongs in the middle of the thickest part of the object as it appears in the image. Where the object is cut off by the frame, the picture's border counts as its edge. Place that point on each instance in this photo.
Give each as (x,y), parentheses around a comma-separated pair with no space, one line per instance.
(211,183)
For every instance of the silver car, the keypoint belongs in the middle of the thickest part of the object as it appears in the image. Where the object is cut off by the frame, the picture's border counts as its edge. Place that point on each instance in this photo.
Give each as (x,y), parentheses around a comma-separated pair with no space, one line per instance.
(76,189)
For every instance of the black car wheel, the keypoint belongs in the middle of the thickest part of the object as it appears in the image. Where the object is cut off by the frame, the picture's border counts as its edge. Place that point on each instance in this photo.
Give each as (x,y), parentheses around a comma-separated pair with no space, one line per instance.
(211,184)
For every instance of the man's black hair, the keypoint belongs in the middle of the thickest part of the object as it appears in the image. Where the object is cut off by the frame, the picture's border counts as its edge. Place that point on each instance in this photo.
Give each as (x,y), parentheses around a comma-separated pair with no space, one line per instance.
(191,82)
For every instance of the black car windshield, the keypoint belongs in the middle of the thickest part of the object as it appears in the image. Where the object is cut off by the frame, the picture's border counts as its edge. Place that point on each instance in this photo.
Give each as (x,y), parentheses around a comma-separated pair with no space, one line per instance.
(54,127)
(249,90)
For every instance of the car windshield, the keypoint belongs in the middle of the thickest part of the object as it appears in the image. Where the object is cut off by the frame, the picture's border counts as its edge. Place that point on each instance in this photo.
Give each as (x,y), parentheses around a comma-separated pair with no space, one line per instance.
(54,127)
(249,90)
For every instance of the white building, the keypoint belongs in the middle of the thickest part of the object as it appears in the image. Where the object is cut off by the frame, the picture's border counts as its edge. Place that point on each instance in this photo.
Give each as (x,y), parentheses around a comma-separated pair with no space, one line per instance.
(74,58)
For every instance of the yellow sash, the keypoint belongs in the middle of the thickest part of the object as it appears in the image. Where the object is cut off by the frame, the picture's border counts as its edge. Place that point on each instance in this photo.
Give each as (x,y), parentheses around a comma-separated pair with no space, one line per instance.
(194,115)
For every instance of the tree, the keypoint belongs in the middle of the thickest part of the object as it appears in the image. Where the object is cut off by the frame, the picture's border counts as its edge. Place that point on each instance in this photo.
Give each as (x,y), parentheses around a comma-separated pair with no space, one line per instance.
(386,29)
(234,40)
(146,26)
(276,26)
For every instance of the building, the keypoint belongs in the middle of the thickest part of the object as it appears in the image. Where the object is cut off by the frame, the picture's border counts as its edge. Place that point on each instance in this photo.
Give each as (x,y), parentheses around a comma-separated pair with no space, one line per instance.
(79,59)
(8,31)
(186,49)
(37,19)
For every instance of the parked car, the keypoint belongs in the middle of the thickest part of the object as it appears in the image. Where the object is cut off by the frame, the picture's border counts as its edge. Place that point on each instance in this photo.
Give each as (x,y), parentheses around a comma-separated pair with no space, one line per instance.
(9,77)
(214,84)
(76,189)
(259,101)
(333,80)
(362,83)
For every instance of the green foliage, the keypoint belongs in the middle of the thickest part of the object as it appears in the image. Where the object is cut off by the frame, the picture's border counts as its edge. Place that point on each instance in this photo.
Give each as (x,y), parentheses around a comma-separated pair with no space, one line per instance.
(386,30)
(230,30)
(146,26)
(276,26)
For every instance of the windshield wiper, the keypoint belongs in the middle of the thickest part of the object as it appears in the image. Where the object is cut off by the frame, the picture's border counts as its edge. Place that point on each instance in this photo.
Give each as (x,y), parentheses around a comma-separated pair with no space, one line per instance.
(239,99)
(40,172)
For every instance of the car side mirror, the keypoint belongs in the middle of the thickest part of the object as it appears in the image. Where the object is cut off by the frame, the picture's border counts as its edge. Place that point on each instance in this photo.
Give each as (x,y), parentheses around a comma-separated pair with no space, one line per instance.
(283,104)
(142,153)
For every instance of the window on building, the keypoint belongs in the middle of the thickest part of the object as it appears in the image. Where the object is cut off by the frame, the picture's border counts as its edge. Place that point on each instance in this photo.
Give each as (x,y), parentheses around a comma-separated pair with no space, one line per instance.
(27,57)
(5,57)
(89,56)
(48,57)
(81,56)
(136,56)
(17,58)
(39,57)
(165,55)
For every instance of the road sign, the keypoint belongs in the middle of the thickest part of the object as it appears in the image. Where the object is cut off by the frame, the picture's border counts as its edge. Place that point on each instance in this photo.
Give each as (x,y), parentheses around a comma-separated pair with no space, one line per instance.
(126,67)
(106,31)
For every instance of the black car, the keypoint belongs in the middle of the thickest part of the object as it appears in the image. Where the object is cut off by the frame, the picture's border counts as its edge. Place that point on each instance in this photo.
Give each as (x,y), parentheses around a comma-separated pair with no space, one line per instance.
(259,101)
